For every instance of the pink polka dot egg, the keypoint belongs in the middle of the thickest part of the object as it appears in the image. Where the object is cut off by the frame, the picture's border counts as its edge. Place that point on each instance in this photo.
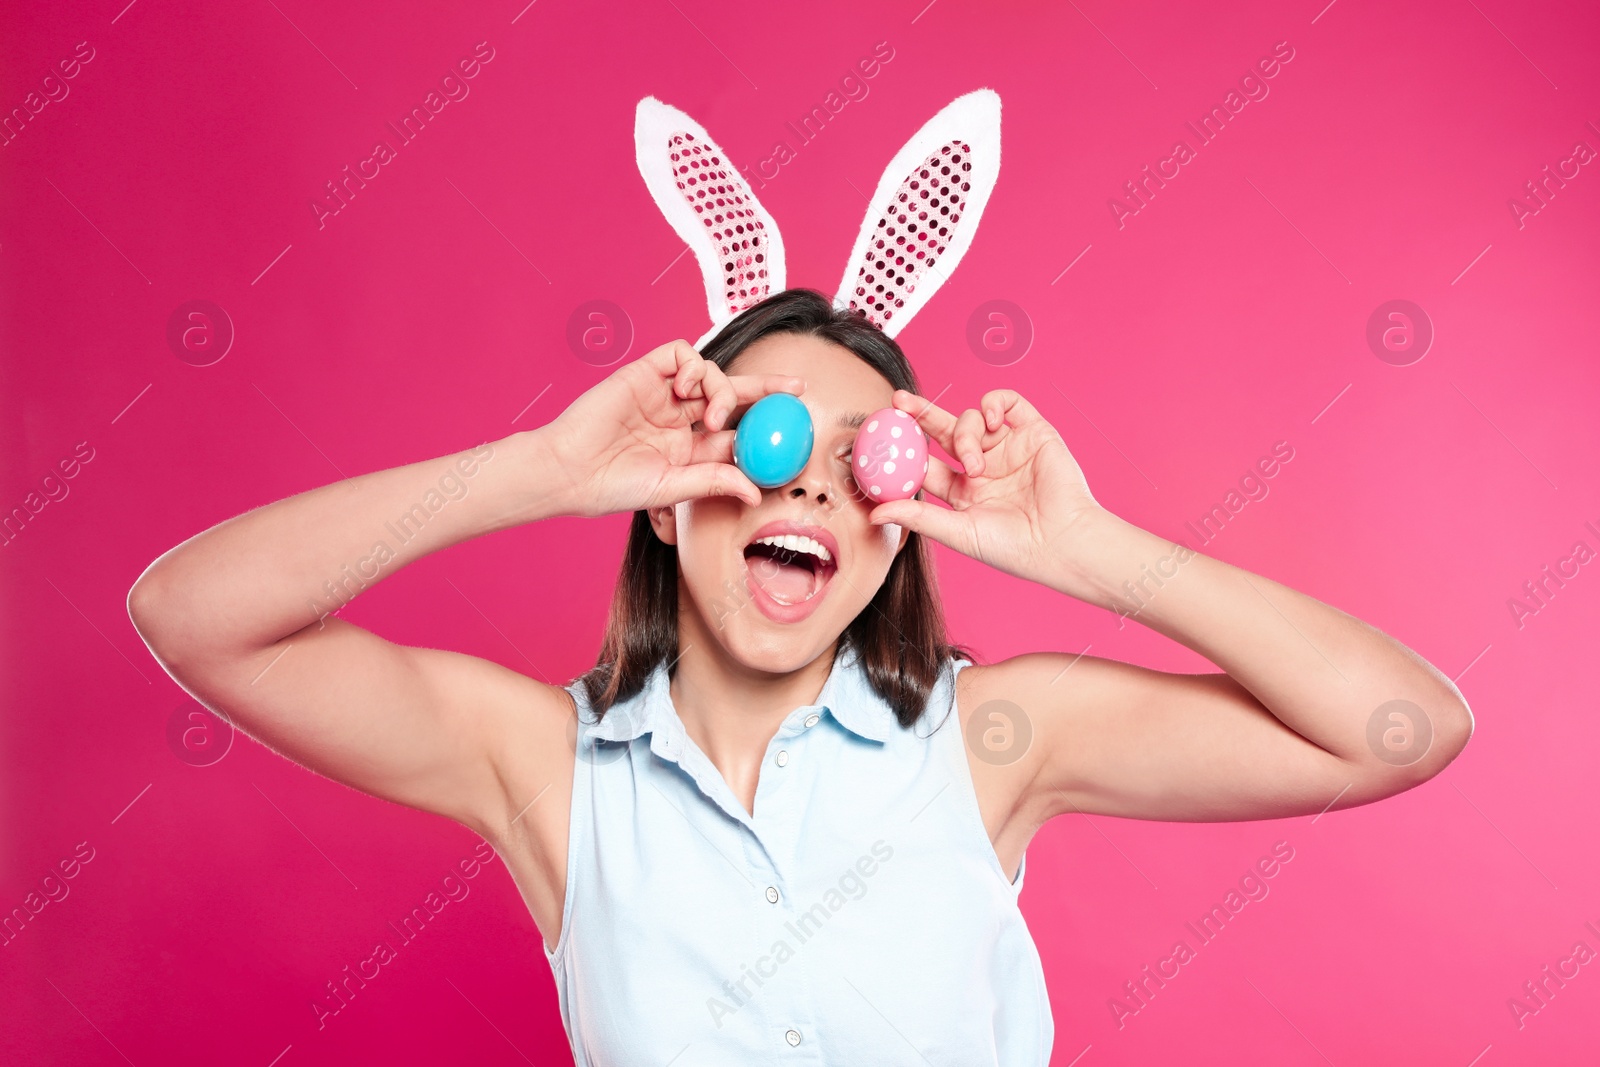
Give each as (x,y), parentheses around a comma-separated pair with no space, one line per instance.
(890,457)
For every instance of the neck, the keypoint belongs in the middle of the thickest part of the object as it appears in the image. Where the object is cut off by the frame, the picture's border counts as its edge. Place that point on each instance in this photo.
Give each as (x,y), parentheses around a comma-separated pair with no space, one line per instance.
(728,707)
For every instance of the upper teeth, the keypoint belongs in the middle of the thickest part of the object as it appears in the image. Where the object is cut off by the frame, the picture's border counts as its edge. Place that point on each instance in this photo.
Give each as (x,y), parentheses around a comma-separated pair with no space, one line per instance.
(793,543)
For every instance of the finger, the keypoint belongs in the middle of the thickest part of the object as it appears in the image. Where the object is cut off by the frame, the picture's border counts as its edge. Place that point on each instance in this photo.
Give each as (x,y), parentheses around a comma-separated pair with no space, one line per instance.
(686,382)
(667,358)
(947,527)
(1003,407)
(706,479)
(714,447)
(671,361)
(752,387)
(693,410)
(968,440)
(988,439)
(720,397)
(993,408)
(940,479)
(940,425)
(935,421)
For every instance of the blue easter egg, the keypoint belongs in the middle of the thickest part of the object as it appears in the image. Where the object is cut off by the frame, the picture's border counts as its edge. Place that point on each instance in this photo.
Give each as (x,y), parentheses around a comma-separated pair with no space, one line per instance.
(773,440)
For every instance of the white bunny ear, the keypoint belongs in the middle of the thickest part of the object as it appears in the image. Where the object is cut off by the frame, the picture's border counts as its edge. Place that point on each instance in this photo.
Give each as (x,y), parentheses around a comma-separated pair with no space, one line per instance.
(924,212)
(702,195)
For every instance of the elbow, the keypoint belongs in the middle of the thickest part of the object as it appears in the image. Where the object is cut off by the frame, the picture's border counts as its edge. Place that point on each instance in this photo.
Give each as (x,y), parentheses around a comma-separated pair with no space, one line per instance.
(1452,724)
(150,609)
(1414,742)
(1464,725)
(144,603)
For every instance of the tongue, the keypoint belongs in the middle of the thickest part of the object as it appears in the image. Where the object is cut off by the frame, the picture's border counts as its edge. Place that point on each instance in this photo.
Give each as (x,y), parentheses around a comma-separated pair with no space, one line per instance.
(786,583)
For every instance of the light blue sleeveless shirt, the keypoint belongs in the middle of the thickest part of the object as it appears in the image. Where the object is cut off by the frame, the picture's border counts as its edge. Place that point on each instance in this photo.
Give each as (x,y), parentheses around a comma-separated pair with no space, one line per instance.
(861,916)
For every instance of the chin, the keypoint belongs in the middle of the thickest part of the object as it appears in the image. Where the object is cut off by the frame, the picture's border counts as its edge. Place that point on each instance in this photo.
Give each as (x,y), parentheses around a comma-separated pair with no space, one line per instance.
(777,653)
(775,595)
(772,622)
(758,642)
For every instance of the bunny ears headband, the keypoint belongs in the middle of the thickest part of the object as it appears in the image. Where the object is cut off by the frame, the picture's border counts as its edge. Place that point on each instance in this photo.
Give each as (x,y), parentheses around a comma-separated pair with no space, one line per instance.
(918,225)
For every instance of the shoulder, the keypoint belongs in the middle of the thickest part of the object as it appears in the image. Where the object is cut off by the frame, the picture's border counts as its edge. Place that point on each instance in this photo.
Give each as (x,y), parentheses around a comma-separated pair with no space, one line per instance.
(1041,683)
(536,725)
(535,763)
(1025,716)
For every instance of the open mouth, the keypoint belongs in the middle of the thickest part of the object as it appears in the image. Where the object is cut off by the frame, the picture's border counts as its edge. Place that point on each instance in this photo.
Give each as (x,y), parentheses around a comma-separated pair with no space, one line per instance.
(789,568)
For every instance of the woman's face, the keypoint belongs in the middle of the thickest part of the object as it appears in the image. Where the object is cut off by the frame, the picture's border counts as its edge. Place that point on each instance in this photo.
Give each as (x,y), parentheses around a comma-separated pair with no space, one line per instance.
(777,607)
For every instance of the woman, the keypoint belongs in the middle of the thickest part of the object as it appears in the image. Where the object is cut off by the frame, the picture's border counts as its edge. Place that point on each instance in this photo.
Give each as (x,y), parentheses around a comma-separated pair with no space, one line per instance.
(754,830)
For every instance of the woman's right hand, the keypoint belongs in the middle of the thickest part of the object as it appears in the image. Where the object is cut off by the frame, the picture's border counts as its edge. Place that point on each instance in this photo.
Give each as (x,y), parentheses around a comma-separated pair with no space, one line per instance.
(651,434)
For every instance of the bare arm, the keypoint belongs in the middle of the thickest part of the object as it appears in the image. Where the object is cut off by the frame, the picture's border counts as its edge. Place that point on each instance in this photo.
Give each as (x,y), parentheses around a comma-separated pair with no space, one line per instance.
(236,615)
(1316,708)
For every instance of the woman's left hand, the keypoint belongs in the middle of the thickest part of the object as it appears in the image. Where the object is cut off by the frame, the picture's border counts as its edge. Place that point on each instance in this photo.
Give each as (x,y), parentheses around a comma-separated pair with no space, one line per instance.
(1021,499)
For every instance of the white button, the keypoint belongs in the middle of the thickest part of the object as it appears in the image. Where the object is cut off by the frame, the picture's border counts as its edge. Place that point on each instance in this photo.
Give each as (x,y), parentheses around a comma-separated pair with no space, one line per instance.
(792,1036)
(812,720)
(783,758)
(772,893)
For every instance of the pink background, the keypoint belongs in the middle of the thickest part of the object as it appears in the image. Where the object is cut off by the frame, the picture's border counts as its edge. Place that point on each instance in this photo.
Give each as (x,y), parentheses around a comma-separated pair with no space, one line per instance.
(1228,314)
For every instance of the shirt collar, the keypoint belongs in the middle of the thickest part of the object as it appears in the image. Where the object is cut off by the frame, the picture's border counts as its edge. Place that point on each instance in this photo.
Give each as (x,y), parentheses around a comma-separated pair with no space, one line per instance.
(846,695)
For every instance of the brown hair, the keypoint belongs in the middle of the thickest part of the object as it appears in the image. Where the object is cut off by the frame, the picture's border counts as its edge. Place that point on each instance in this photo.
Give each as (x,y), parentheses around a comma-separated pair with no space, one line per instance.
(899,635)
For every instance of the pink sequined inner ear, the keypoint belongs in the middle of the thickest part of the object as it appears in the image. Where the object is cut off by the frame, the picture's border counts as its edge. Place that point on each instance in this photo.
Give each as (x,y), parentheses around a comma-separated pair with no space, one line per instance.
(723,203)
(911,236)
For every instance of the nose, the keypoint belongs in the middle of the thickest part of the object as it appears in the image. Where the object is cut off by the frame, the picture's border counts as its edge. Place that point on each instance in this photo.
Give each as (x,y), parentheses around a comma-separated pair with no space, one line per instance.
(814,482)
